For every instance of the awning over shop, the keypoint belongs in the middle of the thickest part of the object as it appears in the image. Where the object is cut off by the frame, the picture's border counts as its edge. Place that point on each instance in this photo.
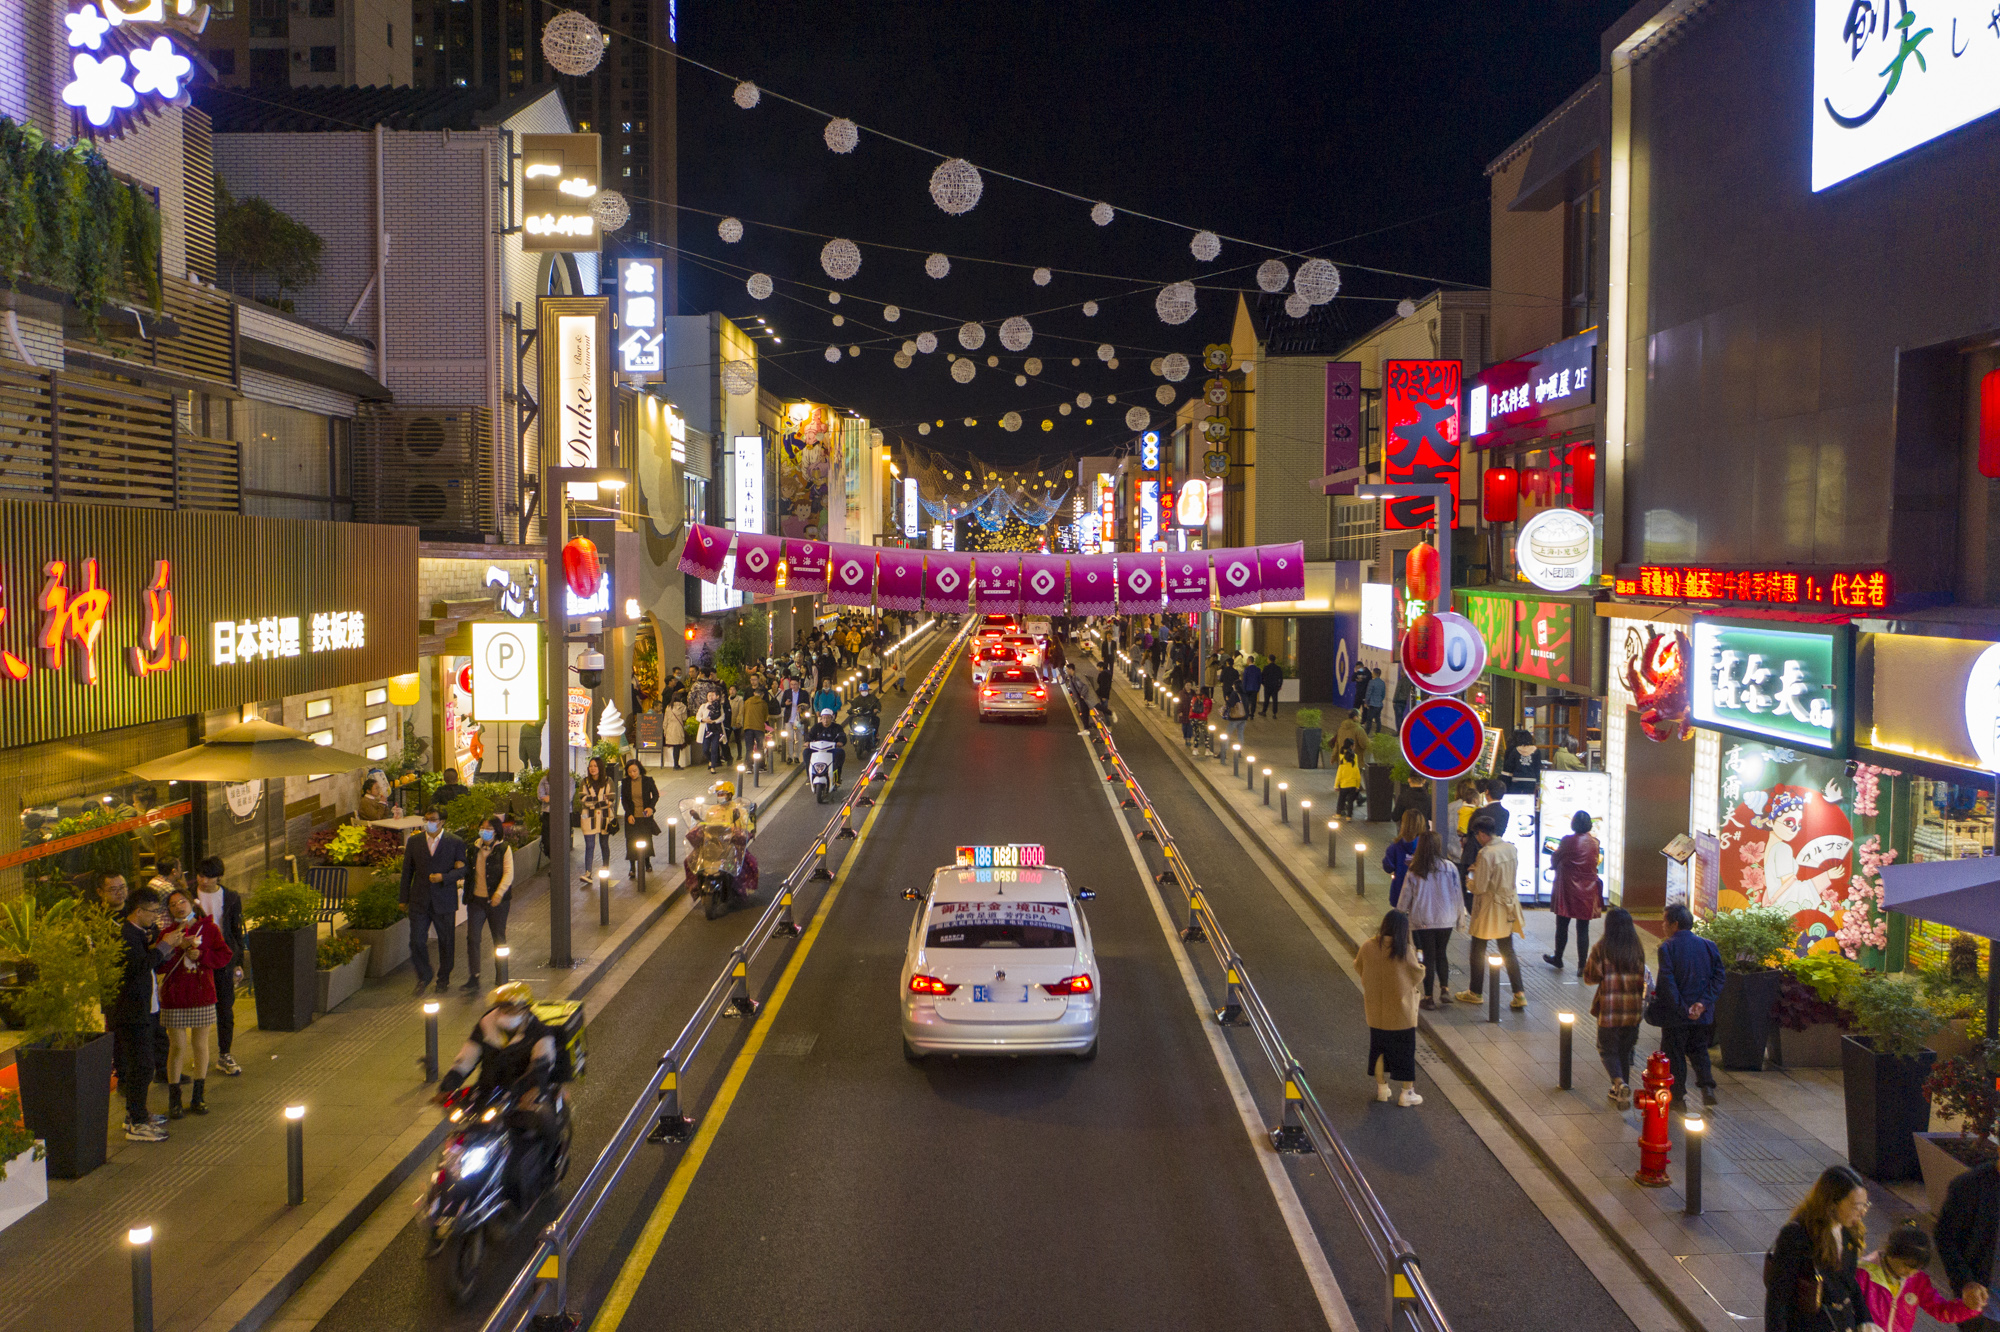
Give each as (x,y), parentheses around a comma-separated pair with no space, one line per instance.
(1964,894)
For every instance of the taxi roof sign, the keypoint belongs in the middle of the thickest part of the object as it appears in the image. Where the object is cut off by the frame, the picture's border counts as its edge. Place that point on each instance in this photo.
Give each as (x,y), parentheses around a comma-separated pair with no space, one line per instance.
(1011,856)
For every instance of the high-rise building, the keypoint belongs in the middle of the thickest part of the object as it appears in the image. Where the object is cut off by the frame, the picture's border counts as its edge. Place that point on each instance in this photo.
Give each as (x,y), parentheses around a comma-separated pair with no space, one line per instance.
(309,43)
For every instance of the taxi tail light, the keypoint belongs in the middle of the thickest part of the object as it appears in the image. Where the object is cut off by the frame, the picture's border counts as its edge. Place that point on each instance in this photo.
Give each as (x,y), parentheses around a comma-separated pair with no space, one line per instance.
(922,984)
(1041,693)
(988,692)
(1072,985)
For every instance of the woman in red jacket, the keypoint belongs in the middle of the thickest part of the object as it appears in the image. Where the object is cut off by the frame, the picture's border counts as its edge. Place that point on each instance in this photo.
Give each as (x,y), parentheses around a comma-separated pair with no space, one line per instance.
(1579,892)
(187,999)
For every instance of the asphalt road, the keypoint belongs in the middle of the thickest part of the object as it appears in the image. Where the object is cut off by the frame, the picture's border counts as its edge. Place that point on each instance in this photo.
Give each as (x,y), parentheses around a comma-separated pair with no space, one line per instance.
(848,1188)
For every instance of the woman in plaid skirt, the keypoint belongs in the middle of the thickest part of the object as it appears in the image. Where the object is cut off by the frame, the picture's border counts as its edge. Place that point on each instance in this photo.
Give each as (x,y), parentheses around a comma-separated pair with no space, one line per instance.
(187,999)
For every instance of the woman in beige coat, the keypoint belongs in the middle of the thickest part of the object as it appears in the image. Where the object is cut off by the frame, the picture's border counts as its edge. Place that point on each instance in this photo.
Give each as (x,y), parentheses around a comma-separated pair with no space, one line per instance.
(1496,911)
(1390,981)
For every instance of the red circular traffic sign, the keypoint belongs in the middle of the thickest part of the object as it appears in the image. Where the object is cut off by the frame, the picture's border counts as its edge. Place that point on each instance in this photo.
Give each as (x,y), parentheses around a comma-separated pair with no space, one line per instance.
(1464,657)
(1442,738)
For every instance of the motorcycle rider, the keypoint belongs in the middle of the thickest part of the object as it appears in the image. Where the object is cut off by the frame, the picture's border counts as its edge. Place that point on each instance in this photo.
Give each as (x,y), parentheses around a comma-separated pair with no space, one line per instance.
(724,816)
(868,705)
(829,729)
(513,1049)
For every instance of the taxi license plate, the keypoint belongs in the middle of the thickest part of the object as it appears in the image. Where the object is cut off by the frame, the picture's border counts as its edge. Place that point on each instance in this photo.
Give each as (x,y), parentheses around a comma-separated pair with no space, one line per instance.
(999,994)
(1013,695)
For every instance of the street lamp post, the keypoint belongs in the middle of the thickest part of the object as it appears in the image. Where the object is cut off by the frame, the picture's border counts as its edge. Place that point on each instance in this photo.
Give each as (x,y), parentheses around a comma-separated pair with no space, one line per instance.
(1441,512)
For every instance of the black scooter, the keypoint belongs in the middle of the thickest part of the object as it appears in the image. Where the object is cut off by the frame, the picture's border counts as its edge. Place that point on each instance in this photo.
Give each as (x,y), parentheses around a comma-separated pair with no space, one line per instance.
(488,1180)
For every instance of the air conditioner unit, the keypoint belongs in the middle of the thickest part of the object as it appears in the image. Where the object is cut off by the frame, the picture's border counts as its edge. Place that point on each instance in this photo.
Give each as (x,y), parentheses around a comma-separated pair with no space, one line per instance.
(426,467)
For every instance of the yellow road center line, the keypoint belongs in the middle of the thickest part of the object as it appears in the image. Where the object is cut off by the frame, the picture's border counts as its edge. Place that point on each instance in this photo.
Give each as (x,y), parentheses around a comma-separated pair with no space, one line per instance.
(642,1253)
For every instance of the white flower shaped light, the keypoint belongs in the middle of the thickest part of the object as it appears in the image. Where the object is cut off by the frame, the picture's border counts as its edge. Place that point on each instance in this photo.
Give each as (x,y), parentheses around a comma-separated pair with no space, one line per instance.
(99,88)
(87,27)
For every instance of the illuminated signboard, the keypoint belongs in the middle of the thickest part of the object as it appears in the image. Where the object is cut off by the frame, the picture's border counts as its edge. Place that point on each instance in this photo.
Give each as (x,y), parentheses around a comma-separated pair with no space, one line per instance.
(1555,550)
(677,432)
(576,382)
(1420,407)
(1888,76)
(506,686)
(1378,616)
(1008,857)
(1149,514)
(642,318)
(1813,587)
(912,518)
(749,483)
(1107,514)
(110,73)
(559,178)
(236,641)
(1191,508)
(1930,698)
(1149,451)
(1788,684)
(1525,390)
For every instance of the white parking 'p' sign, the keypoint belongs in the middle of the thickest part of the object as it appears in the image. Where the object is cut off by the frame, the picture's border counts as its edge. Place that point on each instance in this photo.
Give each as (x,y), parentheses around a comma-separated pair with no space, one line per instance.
(506,677)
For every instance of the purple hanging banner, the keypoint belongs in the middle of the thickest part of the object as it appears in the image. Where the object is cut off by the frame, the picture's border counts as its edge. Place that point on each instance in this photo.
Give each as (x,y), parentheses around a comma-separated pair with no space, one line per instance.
(1139,584)
(948,583)
(851,575)
(703,554)
(1236,576)
(1343,422)
(999,583)
(1093,581)
(900,584)
(1187,581)
(757,563)
(1042,584)
(805,565)
(1281,572)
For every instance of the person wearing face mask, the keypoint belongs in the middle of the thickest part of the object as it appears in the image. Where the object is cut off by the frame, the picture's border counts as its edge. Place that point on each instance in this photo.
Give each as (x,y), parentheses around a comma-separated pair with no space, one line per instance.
(514,1050)
(433,869)
(1523,765)
(224,906)
(187,999)
(489,890)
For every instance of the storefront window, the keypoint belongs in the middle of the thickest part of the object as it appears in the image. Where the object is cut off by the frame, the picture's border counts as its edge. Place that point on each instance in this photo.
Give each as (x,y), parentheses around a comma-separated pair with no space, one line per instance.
(125,827)
(1949,821)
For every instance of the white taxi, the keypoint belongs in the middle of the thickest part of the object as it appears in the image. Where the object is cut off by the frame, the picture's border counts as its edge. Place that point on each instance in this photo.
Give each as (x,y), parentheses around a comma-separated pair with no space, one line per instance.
(990,657)
(1000,960)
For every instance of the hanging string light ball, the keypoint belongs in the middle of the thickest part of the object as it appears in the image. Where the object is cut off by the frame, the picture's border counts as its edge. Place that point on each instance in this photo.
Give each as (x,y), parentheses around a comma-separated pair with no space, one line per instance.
(1089,309)
(1083,400)
(1206,245)
(746,94)
(1272,275)
(1101,214)
(1175,303)
(842,134)
(1016,334)
(892,312)
(1033,365)
(730,230)
(1164,395)
(1138,419)
(1064,409)
(926,342)
(1105,351)
(1297,305)
(1011,421)
(1042,276)
(833,353)
(971,336)
(610,210)
(909,349)
(937,265)
(1406,309)
(572,43)
(993,362)
(923,427)
(1111,397)
(838,320)
(759,285)
(1020,380)
(956,186)
(840,258)
(833,298)
(1048,424)
(963,369)
(1075,361)
(739,377)
(903,360)
(967,485)
(1174,366)
(854,350)
(1113,363)
(1159,364)
(1317,280)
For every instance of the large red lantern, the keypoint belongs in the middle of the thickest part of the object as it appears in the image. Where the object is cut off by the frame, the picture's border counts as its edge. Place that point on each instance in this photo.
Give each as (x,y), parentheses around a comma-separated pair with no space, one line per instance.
(1500,495)
(1423,646)
(1538,484)
(581,569)
(1420,572)
(1989,424)
(1583,476)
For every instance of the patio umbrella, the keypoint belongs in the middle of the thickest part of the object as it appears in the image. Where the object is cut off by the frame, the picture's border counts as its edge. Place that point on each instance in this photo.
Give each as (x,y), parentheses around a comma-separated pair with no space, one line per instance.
(1964,894)
(247,752)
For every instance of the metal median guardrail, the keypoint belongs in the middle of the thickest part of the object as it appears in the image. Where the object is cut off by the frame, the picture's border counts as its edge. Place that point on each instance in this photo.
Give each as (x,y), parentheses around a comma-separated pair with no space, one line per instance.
(1304,1126)
(546,1276)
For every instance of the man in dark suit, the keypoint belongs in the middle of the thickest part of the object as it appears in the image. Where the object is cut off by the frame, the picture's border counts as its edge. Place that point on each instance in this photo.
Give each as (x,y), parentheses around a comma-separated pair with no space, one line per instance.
(223,905)
(1967,1230)
(135,1012)
(433,872)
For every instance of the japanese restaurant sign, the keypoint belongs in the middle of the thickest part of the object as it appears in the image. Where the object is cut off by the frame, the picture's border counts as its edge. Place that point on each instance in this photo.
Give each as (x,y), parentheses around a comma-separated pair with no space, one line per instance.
(576,383)
(116,617)
(1420,409)
(1789,683)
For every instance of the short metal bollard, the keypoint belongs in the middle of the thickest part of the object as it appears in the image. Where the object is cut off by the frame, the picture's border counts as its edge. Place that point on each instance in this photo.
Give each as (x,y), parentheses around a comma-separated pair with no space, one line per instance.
(1360,869)
(1332,842)
(1267,788)
(1235,758)
(431,1041)
(141,1240)
(1306,822)
(1284,802)
(501,952)
(757,768)
(1696,1131)
(603,897)
(1565,1039)
(1250,774)
(295,1155)
(1493,961)
(673,840)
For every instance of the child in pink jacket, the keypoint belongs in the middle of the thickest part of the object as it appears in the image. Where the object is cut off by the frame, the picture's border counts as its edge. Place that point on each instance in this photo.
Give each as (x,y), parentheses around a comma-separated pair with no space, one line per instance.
(1895,1286)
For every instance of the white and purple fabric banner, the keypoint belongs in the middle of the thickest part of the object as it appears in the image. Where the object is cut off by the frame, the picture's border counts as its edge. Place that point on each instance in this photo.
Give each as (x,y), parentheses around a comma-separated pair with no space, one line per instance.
(1281,572)
(1236,576)
(850,575)
(703,554)
(999,583)
(1187,580)
(900,583)
(757,563)
(1139,584)
(1042,591)
(805,565)
(1093,581)
(948,582)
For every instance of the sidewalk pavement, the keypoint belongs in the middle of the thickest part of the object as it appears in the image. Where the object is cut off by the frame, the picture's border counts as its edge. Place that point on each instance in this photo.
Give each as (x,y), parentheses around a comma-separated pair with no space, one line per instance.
(228,1251)
(1768,1138)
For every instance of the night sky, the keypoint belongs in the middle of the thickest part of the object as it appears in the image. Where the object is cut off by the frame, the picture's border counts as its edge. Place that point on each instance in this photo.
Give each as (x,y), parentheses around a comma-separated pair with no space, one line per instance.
(1355,131)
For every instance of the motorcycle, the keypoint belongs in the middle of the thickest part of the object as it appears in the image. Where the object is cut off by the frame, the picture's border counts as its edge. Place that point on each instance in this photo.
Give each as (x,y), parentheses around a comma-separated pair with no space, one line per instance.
(488,1179)
(861,727)
(819,767)
(718,863)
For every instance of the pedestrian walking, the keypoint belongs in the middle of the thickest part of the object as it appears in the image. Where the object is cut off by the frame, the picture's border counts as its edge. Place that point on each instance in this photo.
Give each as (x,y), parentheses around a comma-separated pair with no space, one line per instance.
(1683,1003)
(1371,702)
(1523,764)
(433,873)
(1496,912)
(1968,1230)
(1810,1283)
(1617,967)
(1396,860)
(1346,780)
(1390,975)
(1415,796)
(1271,681)
(187,1000)
(1894,1285)
(1578,893)
(756,722)
(675,728)
(597,798)
(1405,697)
(1433,898)
(1252,682)
(489,892)
(224,906)
(712,732)
(639,798)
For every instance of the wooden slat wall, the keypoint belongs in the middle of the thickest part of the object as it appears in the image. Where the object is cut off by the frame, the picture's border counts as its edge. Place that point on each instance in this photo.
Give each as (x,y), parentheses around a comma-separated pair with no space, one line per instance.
(205,349)
(198,191)
(117,445)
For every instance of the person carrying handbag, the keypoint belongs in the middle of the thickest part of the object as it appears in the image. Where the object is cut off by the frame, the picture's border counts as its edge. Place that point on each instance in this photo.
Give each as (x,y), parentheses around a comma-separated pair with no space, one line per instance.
(1810,1283)
(639,795)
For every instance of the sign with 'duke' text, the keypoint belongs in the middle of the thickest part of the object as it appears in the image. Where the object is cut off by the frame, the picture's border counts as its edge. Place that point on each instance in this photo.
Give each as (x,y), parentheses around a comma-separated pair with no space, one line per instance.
(576,383)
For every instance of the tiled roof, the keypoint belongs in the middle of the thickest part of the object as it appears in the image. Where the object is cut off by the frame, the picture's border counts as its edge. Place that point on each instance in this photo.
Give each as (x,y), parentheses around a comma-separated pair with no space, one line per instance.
(324,110)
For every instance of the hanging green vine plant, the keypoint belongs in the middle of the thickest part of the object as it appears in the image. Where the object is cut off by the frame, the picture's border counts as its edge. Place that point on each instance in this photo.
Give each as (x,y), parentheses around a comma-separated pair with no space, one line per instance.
(67,221)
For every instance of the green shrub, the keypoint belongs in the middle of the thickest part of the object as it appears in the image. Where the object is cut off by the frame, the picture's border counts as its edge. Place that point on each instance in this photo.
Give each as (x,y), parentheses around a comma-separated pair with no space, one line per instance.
(1308,717)
(375,907)
(14,1135)
(21,921)
(1964,1087)
(1750,937)
(281,904)
(1956,989)
(338,950)
(77,965)
(1828,975)
(1891,1012)
(464,815)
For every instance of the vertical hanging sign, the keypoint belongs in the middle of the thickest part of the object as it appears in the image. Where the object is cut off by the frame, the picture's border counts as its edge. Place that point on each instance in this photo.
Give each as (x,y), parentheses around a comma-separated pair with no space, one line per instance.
(749,483)
(576,383)
(1343,422)
(642,320)
(559,180)
(1420,420)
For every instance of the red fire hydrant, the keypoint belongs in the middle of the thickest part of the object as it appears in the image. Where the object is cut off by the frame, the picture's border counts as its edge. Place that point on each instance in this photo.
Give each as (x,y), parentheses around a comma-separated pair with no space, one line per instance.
(1654,1102)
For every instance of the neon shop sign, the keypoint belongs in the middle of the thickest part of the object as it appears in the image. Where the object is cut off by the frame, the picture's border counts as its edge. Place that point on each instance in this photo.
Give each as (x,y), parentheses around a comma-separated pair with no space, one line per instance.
(109,74)
(75,605)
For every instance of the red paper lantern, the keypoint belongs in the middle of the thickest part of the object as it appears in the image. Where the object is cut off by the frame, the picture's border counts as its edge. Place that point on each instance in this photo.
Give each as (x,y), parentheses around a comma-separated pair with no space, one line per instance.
(1538,483)
(1423,645)
(1500,495)
(581,569)
(1420,572)
(1989,424)
(465,679)
(1583,477)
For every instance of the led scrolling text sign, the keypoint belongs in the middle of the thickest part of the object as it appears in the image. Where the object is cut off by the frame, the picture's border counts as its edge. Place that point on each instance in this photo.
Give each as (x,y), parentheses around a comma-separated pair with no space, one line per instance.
(1832,589)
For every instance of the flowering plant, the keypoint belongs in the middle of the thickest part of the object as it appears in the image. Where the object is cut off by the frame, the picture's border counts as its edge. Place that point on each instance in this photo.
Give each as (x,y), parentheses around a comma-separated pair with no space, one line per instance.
(1862,922)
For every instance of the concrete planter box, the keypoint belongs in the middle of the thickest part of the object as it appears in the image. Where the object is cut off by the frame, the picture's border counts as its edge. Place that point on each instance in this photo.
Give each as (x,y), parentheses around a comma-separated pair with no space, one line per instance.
(387,949)
(25,1188)
(337,986)
(1818,1046)
(1939,1166)
(527,862)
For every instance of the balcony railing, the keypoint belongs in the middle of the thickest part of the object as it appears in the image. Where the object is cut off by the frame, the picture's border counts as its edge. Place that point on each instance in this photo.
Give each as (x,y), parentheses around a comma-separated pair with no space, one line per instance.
(203,346)
(85,439)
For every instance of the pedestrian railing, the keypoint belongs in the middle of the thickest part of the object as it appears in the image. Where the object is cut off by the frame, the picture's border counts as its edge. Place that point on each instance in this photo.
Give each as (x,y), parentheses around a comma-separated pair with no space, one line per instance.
(540,1294)
(1303,1125)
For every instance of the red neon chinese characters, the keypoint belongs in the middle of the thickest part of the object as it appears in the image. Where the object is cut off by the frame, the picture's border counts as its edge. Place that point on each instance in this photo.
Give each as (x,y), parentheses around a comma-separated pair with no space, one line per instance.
(72,617)
(159,647)
(11,665)
(1859,589)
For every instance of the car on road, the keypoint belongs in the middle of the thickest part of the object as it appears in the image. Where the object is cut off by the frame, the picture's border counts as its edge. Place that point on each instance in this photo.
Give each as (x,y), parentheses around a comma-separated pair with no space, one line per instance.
(1000,960)
(1026,648)
(986,659)
(1013,690)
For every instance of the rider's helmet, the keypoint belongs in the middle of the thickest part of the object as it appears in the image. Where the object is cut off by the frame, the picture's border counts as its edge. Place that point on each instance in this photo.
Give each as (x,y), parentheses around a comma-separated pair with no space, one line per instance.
(512,994)
(826,712)
(864,686)
(723,790)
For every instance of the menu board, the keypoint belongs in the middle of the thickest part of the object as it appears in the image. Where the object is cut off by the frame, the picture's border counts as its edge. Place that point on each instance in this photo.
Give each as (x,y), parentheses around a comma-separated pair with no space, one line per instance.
(1521,832)
(1563,794)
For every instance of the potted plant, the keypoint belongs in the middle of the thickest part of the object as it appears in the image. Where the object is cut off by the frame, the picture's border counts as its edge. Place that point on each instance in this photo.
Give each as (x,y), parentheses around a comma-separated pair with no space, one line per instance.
(1385,766)
(1956,992)
(1307,734)
(283,920)
(356,849)
(65,1067)
(1748,939)
(527,843)
(1808,1019)
(24,1175)
(340,962)
(1960,1087)
(20,922)
(376,918)
(1884,1067)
